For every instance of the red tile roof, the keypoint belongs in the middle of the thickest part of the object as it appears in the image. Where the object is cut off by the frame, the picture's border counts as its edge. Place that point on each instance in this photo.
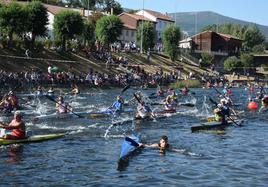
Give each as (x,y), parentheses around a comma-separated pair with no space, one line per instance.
(131,20)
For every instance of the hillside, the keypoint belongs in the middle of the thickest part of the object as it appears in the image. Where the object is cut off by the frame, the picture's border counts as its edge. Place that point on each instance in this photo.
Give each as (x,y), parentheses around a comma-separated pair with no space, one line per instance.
(186,20)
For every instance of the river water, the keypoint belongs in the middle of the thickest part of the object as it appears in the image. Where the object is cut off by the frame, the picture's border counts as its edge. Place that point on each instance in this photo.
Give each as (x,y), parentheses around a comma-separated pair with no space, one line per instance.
(88,155)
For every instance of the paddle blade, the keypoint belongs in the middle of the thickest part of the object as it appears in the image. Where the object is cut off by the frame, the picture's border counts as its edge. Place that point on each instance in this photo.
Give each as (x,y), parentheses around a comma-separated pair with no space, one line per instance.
(125,88)
(212,101)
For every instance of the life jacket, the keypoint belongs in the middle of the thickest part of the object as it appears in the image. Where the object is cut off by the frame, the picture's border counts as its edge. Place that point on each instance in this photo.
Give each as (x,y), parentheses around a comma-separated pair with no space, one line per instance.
(19,133)
(117,105)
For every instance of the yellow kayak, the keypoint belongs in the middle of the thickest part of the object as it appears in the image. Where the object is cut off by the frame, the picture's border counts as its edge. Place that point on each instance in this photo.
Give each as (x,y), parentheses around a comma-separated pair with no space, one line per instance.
(34,138)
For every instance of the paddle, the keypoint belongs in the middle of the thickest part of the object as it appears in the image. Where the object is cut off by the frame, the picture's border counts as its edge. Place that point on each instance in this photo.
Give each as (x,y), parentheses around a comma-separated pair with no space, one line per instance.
(125,89)
(216,104)
(133,142)
(52,99)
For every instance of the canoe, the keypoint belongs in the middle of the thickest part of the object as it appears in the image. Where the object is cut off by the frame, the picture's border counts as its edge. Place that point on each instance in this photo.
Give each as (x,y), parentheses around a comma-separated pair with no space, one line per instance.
(211,126)
(34,138)
(129,145)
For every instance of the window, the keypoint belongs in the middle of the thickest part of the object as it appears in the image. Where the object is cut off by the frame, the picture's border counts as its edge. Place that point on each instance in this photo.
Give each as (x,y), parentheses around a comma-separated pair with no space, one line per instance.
(132,33)
(126,32)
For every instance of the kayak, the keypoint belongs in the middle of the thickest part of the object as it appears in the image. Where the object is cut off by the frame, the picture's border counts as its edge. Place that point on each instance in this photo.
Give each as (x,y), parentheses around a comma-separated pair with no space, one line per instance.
(34,138)
(129,145)
(212,125)
(72,115)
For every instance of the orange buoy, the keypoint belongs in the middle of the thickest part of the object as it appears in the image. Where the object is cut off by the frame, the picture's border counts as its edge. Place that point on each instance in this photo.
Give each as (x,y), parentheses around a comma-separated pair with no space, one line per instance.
(252,105)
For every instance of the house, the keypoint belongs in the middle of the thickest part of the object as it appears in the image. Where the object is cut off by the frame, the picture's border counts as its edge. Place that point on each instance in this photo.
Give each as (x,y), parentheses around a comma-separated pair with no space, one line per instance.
(162,20)
(131,23)
(210,41)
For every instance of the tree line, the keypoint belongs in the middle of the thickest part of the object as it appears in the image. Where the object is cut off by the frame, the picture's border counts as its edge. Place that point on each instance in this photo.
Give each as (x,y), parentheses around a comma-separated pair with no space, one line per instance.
(28,21)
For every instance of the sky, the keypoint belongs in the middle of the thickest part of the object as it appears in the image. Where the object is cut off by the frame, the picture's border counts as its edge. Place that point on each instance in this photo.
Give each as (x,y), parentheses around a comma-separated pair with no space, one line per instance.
(248,10)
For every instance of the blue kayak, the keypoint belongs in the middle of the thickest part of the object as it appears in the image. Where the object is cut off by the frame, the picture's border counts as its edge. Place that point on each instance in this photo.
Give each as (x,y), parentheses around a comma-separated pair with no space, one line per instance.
(129,145)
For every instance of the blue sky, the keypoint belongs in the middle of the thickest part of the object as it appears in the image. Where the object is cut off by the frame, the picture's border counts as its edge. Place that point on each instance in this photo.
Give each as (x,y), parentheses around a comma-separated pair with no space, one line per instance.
(248,10)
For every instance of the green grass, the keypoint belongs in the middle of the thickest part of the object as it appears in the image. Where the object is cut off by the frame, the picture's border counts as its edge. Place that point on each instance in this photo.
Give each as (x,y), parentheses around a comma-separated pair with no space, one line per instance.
(191,83)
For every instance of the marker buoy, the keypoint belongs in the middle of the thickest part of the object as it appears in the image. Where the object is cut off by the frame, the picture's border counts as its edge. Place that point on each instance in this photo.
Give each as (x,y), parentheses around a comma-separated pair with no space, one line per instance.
(252,105)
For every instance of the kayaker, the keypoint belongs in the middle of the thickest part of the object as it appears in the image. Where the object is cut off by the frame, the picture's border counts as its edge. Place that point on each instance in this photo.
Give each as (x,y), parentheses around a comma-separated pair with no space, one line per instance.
(17,126)
(6,105)
(62,106)
(160,92)
(39,91)
(169,104)
(75,90)
(163,146)
(50,92)
(13,100)
(264,103)
(144,111)
(185,91)
(218,114)
(117,106)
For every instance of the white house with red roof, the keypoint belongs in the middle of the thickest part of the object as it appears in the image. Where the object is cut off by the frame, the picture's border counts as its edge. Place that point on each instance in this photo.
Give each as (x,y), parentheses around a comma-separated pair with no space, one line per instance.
(162,20)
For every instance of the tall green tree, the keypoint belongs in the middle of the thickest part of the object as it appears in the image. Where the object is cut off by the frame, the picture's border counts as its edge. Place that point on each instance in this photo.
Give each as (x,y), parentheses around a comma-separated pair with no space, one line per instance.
(231,63)
(247,61)
(37,20)
(67,25)
(108,29)
(13,20)
(88,4)
(171,38)
(89,33)
(147,34)
(252,37)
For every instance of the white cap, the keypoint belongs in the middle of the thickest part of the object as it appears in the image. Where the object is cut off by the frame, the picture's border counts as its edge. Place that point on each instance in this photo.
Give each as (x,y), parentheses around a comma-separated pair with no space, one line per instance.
(18,113)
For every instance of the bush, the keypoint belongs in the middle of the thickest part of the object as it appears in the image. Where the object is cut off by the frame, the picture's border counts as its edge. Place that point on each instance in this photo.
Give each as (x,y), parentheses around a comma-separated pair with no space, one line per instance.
(207,59)
(190,83)
(231,63)
(258,49)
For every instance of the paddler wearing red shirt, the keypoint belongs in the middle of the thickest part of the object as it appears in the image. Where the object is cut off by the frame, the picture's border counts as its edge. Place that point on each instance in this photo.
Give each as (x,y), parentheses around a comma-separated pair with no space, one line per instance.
(17,126)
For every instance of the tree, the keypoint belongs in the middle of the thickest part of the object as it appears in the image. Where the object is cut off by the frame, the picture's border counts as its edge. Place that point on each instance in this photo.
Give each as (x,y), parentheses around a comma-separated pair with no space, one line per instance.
(231,63)
(171,38)
(207,59)
(89,33)
(37,20)
(88,4)
(67,24)
(259,49)
(12,20)
(253,36)
(148,35)
(107,5)
(108,29)
(247,61)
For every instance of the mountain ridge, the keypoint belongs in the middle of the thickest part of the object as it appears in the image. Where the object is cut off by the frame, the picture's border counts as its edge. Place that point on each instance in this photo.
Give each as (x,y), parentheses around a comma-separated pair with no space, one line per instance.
(187,21)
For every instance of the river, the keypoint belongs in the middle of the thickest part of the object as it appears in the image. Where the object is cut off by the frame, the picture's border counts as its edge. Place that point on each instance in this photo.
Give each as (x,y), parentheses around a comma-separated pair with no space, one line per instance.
(88,155)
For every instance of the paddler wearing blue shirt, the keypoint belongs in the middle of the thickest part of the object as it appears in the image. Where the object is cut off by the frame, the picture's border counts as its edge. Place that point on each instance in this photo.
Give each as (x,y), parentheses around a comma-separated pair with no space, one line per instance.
(117,106)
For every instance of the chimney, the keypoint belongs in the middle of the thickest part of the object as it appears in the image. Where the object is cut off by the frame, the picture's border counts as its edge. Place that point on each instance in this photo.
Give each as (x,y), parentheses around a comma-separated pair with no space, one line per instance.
(112,11)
